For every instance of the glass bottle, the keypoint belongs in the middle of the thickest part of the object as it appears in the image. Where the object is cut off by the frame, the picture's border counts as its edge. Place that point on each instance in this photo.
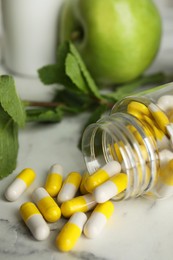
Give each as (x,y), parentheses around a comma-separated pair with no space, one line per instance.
(138,134)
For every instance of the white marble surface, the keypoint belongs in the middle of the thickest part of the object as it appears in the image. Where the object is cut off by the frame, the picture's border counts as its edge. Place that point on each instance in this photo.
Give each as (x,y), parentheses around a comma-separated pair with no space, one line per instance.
(139,229)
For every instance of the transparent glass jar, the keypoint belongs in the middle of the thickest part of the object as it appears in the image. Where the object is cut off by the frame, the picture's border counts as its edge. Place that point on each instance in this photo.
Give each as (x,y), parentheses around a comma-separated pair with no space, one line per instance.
(138,134)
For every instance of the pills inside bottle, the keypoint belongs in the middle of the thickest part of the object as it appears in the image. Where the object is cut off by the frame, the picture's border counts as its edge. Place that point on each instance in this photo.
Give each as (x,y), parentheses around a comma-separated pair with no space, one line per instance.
(138,134)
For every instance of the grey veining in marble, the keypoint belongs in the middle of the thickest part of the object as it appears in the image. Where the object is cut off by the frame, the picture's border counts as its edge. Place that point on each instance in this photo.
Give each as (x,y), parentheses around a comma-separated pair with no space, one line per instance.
(16,242)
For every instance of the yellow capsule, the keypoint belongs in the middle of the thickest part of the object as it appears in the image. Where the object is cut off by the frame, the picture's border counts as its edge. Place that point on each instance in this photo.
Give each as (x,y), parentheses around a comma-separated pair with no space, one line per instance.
(159,116)
(102,175)
(110,188)
(46,204)
(164,157)
(131,128)
(171,118)
(116,152)
(34,221)
(148,129)
(147,124)
(106,208)
(20,184)
(149,133)
(69,187)
(71,232)
(82,185)
(138,137)
(136,114)
(54,180)
(137,106)
(98,219)
(27,210)
(144,152)
(160,138)
(166,174)
(81,203)
(159,134)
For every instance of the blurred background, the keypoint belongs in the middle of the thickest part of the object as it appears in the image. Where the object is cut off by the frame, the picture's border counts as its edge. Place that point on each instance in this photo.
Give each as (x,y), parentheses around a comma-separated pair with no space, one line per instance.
(166,51)
(165,55)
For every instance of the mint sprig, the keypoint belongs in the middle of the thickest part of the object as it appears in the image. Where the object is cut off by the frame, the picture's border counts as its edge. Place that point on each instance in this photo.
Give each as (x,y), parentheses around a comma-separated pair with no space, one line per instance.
(79,93)
(70,72)
(10,101)
(12,116)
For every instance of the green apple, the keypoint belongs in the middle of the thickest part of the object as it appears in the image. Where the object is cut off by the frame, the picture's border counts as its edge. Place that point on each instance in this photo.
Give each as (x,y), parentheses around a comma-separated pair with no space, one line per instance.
(117,39)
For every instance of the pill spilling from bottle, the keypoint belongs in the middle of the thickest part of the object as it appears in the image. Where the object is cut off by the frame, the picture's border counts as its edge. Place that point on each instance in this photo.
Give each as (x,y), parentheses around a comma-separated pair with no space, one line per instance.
(138,160)
(69,202)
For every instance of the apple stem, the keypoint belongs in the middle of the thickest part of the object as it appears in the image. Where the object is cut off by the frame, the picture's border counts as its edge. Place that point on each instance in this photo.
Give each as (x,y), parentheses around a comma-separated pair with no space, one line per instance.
(75,35)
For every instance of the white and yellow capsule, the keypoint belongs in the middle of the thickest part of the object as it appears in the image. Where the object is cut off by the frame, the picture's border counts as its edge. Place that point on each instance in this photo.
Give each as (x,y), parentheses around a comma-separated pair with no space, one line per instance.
(20,184)
(143,152)
(54,180)
(165,156)
(34,221)
(115,151)
(70,187)
(166,174)
(82,184)
(159,116)
(169,129)
(98,219)
(110,188)
(135,133)
(138,109)
(46,204)
(102,175)
(81,203)
(71,232)
(165,180)
(160,137)
(166,103)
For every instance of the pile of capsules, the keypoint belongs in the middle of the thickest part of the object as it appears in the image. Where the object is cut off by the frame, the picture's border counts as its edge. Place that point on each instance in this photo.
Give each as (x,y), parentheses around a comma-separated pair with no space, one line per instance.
(96,190)
(157,123)
(156,120)
(44,208)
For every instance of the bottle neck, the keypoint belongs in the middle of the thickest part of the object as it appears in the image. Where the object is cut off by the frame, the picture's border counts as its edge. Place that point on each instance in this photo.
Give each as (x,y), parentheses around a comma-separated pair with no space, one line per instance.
(122,137)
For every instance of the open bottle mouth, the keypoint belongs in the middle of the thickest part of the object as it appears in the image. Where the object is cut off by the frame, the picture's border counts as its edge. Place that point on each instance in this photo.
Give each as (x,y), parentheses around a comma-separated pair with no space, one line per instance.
(120,137)
(139,135)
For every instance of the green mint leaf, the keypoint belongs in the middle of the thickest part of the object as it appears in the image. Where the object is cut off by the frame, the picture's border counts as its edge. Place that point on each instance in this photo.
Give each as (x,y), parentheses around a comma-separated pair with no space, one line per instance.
(55,73)
(121,92)
(73,100)
(52,74)
(62,52)
(91,83)
(10,101)
(44,115)
(49,74)
(69,71)
(8,144)
(74,73)
(135,86)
